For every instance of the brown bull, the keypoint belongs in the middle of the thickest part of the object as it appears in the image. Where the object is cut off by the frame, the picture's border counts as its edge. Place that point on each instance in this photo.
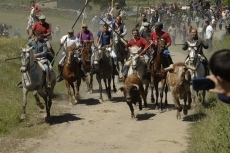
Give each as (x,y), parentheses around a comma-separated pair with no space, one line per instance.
(179,79)
(133,91)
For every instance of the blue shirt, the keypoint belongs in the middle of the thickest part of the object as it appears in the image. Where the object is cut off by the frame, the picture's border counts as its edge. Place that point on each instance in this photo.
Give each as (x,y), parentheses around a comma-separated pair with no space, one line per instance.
(39,47)
(104,38)
(224,98)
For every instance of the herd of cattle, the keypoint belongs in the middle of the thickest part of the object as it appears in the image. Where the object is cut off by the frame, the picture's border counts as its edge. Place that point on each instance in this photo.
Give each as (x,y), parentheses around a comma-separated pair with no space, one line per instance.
(178,79)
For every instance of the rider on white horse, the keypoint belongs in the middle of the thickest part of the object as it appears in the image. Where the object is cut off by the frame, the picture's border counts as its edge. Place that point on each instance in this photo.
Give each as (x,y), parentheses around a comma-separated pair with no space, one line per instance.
(40,51)
(199,44)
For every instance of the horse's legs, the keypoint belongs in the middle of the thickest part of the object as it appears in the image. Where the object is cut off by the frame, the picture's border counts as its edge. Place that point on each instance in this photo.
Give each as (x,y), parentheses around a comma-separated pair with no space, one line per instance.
(189,99)
(109,88)
(203,95)
(185,108)
(25,92)
(69,91)
(166,94)
(157,93)
(146,94)
(114,86)
(162,93)
(152,94)
(91,82)
(178,107)
(100,87)
(35,93)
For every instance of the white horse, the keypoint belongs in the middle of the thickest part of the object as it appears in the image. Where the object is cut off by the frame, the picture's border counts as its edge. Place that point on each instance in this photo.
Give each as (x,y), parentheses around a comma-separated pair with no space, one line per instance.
(194,60)
(138,66)
(34,80)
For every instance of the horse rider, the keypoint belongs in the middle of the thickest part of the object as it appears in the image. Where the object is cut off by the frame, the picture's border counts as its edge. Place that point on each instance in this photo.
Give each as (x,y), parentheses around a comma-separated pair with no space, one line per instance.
(115,11)
(200,43)
(146,32)
(120,28)
(140,21)
(105,39)
(36,7)
(40,50)
(68,40)
(85,36)
(154,38)
(45,28)
(138,41)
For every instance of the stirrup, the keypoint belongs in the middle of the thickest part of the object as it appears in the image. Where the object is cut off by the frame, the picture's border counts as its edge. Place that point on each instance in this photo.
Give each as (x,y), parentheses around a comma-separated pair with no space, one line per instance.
(59,78)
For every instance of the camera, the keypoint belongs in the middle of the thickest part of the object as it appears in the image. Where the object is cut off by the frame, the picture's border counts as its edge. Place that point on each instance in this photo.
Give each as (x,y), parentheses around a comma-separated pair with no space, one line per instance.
(202,84)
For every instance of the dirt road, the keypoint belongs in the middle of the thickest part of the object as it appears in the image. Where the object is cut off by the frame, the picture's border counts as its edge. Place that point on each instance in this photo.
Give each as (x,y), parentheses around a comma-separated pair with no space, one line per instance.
(107,127)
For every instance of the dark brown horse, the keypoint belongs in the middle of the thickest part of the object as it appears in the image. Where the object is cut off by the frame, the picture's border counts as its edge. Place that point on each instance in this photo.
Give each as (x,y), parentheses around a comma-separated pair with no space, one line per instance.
(86,53)
(71,74)
(104,69)
(158,74)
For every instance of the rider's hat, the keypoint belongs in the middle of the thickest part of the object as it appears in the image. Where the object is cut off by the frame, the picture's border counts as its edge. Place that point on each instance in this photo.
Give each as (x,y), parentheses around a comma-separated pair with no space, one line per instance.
(158,25)
(84,25)
(145,24)
(42,17)
(70,31)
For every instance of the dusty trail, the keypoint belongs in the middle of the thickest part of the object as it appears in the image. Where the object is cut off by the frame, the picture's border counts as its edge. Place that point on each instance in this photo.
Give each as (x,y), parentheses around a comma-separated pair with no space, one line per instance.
(105,127)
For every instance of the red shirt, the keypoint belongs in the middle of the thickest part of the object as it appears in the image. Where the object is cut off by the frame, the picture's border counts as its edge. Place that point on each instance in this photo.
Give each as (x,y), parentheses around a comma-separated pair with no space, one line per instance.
(154,38)
(140,42)
(44,28)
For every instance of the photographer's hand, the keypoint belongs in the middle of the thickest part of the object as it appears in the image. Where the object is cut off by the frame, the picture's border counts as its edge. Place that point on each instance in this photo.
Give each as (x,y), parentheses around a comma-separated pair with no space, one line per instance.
(221,86)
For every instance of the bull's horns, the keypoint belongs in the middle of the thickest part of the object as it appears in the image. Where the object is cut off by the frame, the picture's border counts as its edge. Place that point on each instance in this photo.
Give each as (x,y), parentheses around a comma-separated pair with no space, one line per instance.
(190,67)
(135,85)
(169,68)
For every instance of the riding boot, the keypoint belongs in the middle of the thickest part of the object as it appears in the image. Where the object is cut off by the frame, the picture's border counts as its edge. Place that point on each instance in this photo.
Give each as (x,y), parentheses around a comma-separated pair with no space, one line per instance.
(19,85)
(205,63)
(83,73)
(170,60)
(115,69)
(48,83)
(149,63)
(59,77)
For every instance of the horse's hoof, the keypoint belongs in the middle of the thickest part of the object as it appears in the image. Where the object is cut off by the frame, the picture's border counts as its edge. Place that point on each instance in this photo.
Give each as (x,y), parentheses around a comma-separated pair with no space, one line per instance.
(185,111)
(23,116)
(115,90)
(71,104)
(41,105)
(156,108)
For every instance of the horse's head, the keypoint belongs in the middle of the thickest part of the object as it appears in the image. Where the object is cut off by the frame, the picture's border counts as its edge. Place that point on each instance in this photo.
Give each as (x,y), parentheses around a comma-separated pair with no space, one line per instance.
(27,58)
(192,52)
(161,43)
(134,50)
(69,59)
(86,51)
(98,52)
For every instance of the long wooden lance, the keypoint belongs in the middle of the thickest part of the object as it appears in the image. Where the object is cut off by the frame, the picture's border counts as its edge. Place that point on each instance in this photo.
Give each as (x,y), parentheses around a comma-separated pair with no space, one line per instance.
(72,28)
(114,30)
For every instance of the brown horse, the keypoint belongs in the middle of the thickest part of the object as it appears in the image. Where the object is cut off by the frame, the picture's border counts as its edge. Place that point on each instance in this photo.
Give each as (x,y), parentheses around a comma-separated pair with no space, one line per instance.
(86,56)
(158,74)
(71,74)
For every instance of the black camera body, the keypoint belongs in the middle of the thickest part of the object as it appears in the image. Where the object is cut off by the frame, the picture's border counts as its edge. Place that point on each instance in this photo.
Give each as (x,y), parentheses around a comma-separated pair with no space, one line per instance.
(202,84)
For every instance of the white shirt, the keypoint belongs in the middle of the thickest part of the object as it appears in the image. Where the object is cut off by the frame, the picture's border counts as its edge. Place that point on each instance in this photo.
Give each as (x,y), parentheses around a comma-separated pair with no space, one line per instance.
(208,31)
(73,41)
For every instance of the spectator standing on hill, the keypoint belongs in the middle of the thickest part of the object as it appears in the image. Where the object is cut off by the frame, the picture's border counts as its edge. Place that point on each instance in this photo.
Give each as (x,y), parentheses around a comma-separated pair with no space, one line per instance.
(209,34)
